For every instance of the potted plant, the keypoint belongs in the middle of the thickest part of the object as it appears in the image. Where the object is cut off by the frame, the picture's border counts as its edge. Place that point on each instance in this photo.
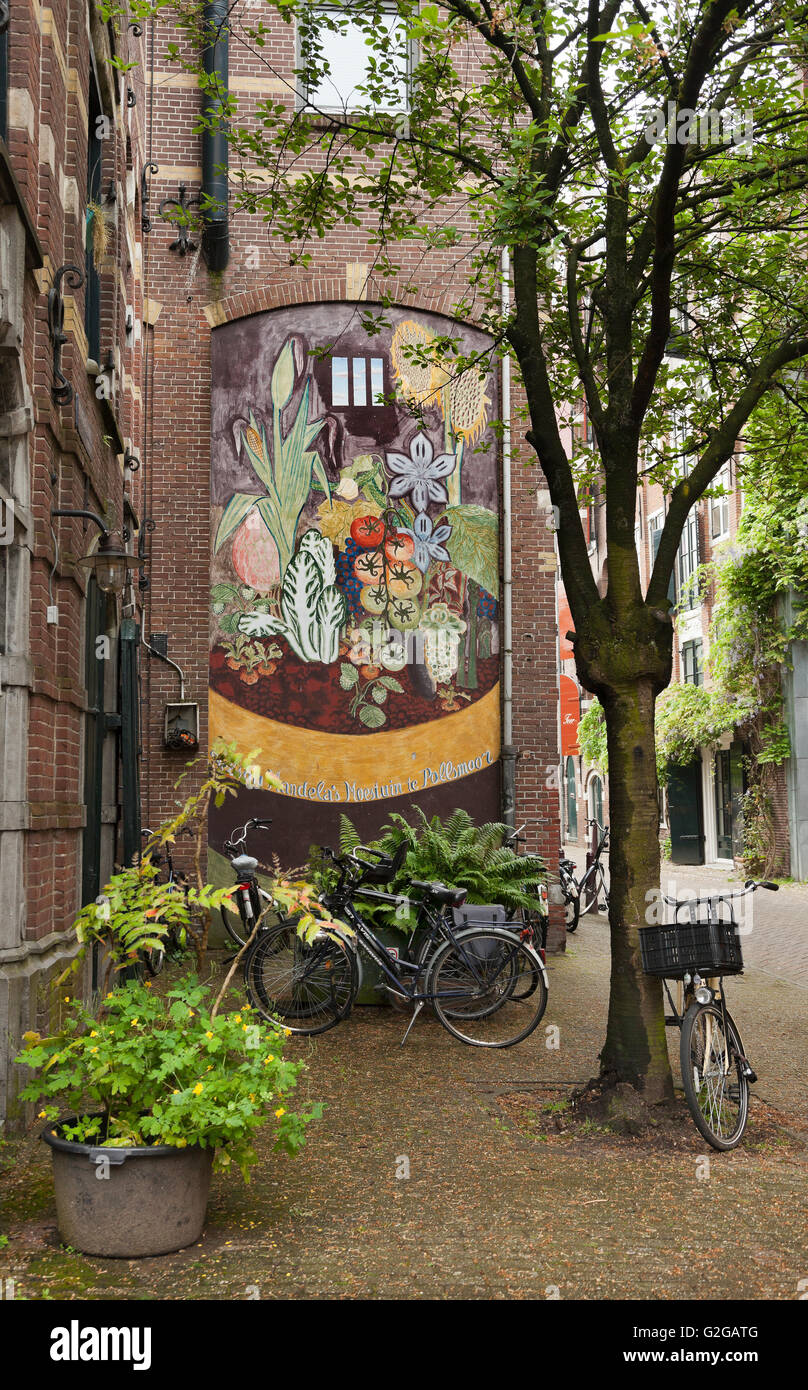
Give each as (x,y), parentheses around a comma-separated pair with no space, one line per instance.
(158,1088)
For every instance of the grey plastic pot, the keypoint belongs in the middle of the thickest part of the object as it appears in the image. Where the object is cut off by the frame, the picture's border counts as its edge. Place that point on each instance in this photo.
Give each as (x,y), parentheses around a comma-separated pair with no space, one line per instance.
(128,1202)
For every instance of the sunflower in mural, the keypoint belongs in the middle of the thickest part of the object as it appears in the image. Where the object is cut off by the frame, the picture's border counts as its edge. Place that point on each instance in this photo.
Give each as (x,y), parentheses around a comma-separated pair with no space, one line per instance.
(419,382)
(467,405)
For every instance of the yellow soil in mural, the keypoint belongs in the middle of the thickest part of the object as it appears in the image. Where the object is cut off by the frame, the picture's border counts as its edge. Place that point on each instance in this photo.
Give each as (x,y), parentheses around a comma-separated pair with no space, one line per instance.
(318,766)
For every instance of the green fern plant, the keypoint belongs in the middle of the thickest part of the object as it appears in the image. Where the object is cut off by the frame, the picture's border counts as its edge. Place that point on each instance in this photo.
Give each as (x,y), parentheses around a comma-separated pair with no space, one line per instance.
(459,853)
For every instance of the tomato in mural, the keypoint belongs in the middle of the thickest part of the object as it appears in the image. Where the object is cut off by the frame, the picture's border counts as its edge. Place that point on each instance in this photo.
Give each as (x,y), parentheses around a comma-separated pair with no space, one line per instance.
(355,564)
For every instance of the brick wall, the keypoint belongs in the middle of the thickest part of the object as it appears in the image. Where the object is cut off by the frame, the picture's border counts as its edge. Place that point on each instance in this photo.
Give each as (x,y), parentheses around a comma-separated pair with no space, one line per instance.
(178,462)
(62,456)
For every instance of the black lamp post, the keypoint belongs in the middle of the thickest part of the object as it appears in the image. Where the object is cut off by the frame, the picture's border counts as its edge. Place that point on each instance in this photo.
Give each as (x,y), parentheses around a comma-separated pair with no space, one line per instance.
(110,560)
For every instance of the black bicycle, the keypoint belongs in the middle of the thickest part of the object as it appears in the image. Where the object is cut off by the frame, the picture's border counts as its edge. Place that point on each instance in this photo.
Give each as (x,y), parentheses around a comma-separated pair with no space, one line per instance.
(250,899)
(591,884)
(486,984)
(698,954)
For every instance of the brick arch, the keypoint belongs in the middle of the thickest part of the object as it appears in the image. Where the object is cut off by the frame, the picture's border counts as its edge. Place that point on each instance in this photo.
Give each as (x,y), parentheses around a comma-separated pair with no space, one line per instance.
(282,292)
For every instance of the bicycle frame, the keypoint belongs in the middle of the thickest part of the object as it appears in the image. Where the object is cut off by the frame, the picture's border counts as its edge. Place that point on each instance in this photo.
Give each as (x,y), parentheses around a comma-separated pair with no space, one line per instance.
(439,925)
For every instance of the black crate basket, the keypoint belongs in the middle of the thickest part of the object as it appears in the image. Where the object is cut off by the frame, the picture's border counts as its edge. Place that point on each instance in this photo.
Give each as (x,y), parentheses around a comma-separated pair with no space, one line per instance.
(691,948)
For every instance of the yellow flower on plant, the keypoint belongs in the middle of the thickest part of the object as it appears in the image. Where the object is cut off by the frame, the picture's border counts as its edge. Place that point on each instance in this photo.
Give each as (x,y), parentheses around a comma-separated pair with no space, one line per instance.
(198,1089)
(280,1111)
(133,1024)
(93,1049)
(237,1018)
(208,1035)
(42,1115)
(270,1057)
(93,1034)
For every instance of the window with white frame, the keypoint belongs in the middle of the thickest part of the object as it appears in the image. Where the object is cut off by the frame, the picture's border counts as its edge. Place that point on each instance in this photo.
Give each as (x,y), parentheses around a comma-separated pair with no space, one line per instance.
(348,54)
(719,506)
(656,523)
(687,563)
(693,662)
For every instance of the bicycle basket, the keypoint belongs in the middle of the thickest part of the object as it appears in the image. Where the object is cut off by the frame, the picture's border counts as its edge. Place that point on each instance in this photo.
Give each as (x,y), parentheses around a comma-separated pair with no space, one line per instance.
(691,948)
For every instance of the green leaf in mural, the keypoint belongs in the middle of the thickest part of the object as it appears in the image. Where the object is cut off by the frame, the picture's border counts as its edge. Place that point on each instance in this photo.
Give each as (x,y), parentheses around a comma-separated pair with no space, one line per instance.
(229,622)
(348,675)
(474,544)
(390,683)
(224,593)
(239,506)
(372,717)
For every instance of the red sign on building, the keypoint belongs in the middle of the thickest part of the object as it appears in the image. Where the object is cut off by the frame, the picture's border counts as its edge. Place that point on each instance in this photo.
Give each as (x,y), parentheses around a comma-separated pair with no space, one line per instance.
(570,698)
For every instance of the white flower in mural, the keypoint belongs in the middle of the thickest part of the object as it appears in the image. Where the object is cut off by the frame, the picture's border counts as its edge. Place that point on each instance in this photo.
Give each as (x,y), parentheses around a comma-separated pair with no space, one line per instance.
(429,541)
(420,474)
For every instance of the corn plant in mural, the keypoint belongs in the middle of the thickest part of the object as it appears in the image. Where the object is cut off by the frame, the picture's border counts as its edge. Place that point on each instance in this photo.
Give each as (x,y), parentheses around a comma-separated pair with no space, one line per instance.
(313,611)
(286,469)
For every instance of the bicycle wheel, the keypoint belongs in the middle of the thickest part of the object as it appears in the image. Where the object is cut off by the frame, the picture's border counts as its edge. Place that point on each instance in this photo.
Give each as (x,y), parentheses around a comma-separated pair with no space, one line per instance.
(525,985)
(310,988)
(714,1076)
(488,988)
(572,909)
(233,924)
(153,959)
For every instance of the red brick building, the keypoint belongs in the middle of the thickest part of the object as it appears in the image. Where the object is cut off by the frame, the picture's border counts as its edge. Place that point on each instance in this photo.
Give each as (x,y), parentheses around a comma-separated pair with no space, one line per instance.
(70,315)
(172,375)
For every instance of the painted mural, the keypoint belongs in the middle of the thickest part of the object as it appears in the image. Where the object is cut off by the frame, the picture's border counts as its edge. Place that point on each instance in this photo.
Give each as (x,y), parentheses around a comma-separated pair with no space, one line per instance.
(355,567)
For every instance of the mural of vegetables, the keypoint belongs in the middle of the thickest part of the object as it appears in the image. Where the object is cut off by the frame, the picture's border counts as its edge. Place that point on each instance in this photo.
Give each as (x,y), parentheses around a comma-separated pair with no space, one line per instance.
(286,469)
(313,611)
(354,573)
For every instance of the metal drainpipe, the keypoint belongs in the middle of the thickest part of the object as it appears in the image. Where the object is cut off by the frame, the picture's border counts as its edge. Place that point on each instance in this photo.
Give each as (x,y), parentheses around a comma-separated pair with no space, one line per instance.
(509,752)
(215,148)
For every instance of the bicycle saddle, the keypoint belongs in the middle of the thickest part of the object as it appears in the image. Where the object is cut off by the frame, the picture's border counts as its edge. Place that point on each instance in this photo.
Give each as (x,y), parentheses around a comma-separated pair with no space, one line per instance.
(244,864)
(441,893)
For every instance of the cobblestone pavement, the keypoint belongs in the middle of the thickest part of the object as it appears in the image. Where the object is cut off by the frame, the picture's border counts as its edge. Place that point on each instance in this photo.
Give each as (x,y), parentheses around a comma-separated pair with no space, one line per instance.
(774,925)
(487,1211)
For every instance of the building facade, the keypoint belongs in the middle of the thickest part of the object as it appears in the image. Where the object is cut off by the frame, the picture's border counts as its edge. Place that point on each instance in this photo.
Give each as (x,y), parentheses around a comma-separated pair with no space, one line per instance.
(70,308)
(226,415)
(701,805)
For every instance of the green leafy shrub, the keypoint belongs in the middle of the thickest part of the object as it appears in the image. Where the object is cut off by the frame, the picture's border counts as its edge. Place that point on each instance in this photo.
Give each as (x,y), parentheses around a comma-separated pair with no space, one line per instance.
(592,736)
(689,717)
(167,1070)
(456,852)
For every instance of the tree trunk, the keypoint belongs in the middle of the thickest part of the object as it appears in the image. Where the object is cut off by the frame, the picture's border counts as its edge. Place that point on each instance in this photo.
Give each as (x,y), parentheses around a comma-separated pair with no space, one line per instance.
(635,1049)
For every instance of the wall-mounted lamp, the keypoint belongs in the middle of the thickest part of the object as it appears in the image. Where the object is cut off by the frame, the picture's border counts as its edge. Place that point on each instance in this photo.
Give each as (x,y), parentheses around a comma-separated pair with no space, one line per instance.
(110,561)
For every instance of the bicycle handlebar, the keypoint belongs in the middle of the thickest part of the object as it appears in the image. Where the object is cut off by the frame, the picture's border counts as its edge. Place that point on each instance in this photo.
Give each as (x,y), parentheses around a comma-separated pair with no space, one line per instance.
(751,885)
(239,835)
